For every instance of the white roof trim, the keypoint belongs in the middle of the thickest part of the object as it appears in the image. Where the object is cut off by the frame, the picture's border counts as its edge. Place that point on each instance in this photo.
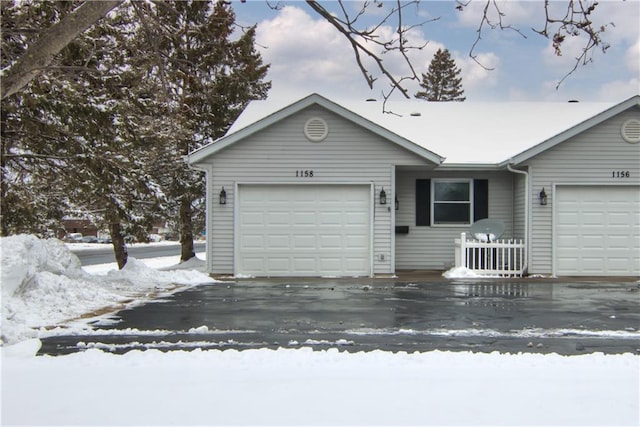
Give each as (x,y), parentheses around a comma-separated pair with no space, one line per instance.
(227,140)
(573,131)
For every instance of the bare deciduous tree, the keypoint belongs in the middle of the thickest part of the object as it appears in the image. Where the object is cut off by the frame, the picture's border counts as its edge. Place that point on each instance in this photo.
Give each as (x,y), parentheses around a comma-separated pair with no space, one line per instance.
(574,20)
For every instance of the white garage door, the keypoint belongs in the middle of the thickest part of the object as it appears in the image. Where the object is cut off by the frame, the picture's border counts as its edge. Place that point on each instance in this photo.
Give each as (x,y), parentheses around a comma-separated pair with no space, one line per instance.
(304,230)
(597,231)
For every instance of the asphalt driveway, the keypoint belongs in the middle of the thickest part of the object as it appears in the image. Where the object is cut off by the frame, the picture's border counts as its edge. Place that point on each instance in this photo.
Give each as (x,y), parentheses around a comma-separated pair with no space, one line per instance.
(352,315)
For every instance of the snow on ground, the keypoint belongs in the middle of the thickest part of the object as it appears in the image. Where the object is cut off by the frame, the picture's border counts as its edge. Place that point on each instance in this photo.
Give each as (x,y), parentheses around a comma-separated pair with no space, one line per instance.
(305,387)
(43,284)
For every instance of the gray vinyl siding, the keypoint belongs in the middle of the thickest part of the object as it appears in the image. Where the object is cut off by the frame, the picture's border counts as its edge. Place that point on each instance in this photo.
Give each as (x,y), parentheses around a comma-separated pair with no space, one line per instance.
(586,159)
(349,154)
(432,248)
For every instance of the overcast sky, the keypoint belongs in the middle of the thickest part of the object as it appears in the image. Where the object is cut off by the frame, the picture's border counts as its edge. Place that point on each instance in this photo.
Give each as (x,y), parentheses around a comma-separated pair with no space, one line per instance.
(308,55)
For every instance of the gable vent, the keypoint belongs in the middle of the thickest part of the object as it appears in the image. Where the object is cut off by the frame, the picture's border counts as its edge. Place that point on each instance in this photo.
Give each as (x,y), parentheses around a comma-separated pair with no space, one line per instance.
(316,129)
(631,131)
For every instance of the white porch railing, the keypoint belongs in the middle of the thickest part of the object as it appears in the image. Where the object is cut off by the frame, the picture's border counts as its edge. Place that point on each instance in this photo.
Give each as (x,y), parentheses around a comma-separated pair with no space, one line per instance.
(497,258)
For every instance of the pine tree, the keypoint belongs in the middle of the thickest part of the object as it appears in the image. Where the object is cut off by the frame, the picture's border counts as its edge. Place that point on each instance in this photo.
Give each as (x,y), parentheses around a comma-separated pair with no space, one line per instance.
(207,76)
(105,130)
(73,140)
(442,81)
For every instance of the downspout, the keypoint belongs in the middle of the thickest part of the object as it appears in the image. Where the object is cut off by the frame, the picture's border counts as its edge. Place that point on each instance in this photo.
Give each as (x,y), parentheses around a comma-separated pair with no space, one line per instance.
(526,213)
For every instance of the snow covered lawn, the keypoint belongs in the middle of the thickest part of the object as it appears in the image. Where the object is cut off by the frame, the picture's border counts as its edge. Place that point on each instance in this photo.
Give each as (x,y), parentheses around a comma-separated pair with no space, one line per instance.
(303,387)
(43,284)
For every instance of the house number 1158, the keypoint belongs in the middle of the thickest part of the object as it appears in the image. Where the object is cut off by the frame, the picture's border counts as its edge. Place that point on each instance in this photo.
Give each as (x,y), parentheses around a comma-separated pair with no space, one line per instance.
(307,173)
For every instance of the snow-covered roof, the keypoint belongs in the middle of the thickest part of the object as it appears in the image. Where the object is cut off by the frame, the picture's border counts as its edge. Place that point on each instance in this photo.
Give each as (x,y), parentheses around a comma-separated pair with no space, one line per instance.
(465,133)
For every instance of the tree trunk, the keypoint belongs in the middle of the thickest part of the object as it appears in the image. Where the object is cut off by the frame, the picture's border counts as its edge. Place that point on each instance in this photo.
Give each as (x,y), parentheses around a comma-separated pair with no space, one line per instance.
(4,187)
(186,230)
(117,240)
(40,54)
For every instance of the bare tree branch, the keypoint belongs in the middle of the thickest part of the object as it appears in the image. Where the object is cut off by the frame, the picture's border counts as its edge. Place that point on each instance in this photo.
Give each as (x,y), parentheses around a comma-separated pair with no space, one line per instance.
(363,41)
(576,22)
(40,54)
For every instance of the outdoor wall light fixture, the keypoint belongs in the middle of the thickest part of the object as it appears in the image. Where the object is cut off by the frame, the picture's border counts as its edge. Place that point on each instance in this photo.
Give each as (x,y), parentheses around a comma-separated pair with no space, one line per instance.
(223,197)
(383,197)
(397,203)
(543,197)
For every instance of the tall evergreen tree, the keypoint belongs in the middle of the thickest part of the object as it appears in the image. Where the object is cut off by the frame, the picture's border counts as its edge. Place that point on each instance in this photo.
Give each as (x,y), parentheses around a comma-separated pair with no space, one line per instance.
(207,77)
(106,128)
(442,81)
(72,140)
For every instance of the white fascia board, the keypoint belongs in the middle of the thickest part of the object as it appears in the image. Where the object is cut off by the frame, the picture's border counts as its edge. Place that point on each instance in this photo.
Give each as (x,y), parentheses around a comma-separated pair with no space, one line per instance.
(571,132)
(225,141)
(468,167)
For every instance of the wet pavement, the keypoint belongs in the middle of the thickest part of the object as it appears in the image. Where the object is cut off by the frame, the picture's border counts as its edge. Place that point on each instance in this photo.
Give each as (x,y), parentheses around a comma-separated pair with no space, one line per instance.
(364,315)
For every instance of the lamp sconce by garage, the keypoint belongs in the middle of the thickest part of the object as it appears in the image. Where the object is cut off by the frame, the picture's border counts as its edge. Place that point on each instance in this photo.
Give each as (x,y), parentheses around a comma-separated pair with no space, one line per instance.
(543,197)
(223,197)
(397,203)
(383,197)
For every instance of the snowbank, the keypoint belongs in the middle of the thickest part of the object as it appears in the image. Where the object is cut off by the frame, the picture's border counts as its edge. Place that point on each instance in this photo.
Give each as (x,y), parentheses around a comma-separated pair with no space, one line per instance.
(305,387)
(43,284)
(462,273)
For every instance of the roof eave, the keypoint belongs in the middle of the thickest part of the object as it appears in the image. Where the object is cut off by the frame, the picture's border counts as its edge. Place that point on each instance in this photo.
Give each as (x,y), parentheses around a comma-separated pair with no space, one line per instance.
(223,142)
(469,166)
(573,131)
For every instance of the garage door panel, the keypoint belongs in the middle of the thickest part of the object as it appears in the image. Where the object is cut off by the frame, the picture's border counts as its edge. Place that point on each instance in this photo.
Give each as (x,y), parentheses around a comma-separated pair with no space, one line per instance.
(595,219)
(277,218)
(330,242)
(304,242)
(357,242)
(330,265)
(622,219)
(249,242)
(597,229)
(330,218)
(252,218)
(303,264)
(307,230)
(304,218)
(354,218)
(253,263)
(355,264)
(279,241)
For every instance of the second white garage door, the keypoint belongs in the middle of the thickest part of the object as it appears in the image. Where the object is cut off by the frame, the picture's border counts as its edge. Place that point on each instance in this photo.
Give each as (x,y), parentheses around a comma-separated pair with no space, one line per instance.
(597,231)
(304,230)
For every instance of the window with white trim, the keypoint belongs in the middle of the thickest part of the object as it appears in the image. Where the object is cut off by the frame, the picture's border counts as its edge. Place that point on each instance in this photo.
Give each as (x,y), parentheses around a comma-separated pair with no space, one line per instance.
(452,202)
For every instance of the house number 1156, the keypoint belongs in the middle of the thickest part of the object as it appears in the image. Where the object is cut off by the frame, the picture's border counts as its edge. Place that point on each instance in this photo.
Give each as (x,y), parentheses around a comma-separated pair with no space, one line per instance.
(620,174)
(307,173)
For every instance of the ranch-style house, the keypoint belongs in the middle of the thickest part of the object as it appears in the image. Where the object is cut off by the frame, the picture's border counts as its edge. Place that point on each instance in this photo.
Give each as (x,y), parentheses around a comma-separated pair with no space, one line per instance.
(321,188)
